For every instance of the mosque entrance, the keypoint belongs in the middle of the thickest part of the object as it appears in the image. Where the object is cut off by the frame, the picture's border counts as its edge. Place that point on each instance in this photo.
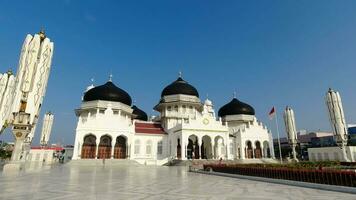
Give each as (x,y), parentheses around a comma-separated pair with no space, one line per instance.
(258,151)
(266,151)
(89,147)
(206,148)
(219,150)
(104,150)
(193,147)
(120,148)
(249,150)
(179,150)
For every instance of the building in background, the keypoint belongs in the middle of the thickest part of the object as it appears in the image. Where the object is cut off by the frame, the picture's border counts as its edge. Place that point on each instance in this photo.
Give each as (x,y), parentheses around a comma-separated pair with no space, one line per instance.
(305,141)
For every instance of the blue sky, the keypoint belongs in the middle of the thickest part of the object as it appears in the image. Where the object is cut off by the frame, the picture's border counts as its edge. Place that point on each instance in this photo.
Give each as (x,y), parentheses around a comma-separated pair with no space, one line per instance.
(271,52)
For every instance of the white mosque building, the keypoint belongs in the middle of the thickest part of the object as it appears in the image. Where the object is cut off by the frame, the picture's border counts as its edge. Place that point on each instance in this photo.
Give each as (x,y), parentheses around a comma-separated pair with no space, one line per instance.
(110,127)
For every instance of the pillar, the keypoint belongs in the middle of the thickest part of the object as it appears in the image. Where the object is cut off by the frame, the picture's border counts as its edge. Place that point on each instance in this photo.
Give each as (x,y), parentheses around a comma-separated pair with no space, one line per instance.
(182,149)
(200,145)
(212,149)
(113,141)
(243,151)
(97,147)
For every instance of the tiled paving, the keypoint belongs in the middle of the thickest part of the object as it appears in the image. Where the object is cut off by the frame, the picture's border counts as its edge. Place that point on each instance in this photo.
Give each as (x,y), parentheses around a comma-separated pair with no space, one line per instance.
(145,182)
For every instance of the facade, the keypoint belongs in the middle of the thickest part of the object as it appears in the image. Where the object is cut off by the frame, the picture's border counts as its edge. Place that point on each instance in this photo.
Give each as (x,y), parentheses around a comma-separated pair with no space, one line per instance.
(332,154)
(46,155)
(110,127)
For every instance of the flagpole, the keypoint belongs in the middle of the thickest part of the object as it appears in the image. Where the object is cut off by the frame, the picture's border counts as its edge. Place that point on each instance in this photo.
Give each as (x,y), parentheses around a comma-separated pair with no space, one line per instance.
(279,141)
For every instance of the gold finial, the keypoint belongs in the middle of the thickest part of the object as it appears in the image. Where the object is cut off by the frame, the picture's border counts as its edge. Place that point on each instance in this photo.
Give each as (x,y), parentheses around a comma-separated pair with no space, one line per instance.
(42,34)
(9,72)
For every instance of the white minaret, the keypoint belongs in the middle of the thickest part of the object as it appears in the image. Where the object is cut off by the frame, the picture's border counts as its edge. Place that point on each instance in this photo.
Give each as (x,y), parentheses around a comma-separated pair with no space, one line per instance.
(337,119)
(30,87)
(46,128)
(7,86)
(289,121)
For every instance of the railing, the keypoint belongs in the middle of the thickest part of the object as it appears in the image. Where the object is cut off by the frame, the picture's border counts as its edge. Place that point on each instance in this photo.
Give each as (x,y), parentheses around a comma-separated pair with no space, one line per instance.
(330,177)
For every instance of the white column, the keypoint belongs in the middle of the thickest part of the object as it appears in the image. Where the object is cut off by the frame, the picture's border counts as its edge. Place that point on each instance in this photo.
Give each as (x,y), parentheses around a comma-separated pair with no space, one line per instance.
(212,148)
(113,141)
(97,147)
(182,149)
(200,146)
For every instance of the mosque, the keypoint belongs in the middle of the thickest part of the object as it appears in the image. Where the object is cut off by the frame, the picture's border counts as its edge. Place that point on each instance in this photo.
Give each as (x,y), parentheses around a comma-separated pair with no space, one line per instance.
(111,127)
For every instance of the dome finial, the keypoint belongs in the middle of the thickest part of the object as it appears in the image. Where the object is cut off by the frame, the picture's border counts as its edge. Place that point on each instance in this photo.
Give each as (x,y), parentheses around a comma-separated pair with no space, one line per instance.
(9,72)
(180,74)
(234,94)
(42,34)
(110,77)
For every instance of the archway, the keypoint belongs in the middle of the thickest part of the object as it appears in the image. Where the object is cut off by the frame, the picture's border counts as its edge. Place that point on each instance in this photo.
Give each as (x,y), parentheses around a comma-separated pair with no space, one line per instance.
(89,147)
(120,148)
(249,149)
(266,151)
(206,149)
(193,147)
(258,152)
(104,150)
(179,149)
(219,148)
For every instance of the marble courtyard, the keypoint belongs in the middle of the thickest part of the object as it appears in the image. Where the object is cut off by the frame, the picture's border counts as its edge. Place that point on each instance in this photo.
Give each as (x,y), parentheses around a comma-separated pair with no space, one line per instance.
(144,182)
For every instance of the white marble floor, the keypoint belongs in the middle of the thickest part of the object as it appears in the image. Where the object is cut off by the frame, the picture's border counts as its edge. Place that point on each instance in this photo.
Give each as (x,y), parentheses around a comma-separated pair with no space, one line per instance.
(145,182)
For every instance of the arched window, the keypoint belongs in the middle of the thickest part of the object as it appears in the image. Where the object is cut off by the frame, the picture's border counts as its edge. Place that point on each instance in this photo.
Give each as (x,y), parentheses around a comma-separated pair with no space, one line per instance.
(159,148)
(169,108)
(176,108)
(184,108)
(149,147)
(191,109)
(137,146)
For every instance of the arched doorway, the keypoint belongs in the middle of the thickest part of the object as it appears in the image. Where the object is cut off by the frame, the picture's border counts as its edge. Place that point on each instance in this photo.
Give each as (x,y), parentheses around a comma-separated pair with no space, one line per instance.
(266,151)
(219,149)
(120,148)
(179,149)
(206,149)
(193,147)
(258,152)
(89,147)
(104,150)
(249,149)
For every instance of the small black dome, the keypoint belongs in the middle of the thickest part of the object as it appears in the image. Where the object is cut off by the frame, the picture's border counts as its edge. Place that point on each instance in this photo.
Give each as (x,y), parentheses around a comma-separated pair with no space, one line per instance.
(139,114)
(108,92)
(180,86)
(236,107)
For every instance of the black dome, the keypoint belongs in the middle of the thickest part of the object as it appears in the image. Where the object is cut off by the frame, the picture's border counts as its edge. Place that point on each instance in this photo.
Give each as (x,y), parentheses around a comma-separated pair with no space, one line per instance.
(108,92)
(139,114)
(180,86)
(236,107)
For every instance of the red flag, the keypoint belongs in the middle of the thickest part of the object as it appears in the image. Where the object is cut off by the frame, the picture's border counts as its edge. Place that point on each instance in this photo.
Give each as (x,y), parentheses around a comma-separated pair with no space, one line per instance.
(272,113)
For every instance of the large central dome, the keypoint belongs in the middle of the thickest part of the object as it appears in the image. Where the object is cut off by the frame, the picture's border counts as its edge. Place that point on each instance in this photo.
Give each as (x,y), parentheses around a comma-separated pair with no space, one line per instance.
(180,86)
(108,92)
(236,107)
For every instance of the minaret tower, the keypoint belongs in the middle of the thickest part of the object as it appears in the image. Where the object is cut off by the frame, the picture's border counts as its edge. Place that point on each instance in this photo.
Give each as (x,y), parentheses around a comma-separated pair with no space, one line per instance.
(30,88)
